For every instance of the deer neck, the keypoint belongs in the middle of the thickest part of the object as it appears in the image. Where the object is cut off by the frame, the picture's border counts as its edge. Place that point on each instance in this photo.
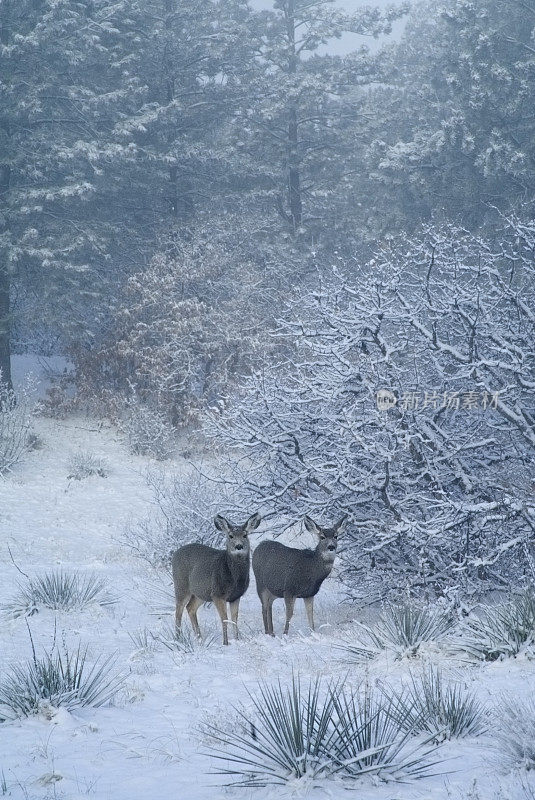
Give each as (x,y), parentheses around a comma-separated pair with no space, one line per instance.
(325,565)
(238,566)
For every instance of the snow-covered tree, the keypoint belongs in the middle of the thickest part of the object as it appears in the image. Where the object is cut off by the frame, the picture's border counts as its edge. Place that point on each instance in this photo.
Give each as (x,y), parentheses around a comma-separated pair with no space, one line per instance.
(110,113)
(55,81)
(436,481)
(456,132)
(190,323)
(290,121)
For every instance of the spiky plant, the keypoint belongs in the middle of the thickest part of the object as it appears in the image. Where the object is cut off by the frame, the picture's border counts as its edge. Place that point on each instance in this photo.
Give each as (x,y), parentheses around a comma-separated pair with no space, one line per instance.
(84,464)
(61,678)
(499,631)
(402,629)
(374,737)
(143,640)
(434,706)
(293,732)
(183,640)
(515,733)
(61,591)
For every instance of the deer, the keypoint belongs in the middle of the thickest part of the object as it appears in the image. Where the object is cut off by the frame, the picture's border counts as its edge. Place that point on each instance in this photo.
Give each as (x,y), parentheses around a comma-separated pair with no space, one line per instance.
(290,572)
(204,574)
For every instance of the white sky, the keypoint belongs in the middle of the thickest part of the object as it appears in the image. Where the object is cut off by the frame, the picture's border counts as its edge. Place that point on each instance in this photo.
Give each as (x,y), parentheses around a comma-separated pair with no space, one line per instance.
(349,41)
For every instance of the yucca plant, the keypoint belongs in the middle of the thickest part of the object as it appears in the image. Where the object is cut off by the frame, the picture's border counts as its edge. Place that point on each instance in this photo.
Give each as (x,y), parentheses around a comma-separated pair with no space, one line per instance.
(374,737)
(515,733)
(402,629)
(59,678)
(293,732)
(143,640)
(84,464)
(434,706)
(183,640)
(61,591)
(499,631)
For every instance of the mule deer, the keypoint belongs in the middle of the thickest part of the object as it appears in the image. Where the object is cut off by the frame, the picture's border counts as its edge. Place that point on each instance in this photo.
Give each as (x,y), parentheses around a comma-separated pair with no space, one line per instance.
(288,572)
(202,574)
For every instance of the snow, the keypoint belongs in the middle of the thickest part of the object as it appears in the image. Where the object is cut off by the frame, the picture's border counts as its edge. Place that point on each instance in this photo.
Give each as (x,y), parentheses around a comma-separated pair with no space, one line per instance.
(149,744)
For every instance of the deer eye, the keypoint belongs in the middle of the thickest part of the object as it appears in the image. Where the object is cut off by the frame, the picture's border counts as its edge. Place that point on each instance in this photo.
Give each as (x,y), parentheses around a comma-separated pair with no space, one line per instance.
(231,536)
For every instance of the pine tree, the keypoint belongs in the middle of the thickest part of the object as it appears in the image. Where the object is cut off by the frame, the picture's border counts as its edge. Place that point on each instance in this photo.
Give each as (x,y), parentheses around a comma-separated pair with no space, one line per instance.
(290,126)
(457,129)
(54,91)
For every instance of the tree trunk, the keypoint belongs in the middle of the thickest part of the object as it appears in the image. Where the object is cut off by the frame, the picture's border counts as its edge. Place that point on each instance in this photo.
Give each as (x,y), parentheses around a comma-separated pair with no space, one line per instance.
(5,185)
(5,337)
(294,175)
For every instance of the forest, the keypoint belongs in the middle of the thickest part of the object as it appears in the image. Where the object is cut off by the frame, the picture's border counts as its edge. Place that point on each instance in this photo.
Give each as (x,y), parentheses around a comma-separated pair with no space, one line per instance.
(209,215)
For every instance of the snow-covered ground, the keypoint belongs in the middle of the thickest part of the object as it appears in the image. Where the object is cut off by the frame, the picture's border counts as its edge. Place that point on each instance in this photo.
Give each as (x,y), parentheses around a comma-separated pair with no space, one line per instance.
(149,743)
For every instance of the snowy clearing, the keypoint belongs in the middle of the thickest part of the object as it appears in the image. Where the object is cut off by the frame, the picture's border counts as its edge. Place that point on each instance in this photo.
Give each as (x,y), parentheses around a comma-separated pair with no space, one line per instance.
(150,743)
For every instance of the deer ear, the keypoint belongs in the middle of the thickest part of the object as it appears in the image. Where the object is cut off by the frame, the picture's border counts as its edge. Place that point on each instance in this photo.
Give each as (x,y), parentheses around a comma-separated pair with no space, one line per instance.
(221,523)
(253,522)
(311,526)
(341,525)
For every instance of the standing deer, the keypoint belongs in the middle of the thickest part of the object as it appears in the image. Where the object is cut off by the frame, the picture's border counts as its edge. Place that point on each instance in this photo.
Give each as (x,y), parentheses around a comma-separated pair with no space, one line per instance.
(202,574)
(288,572)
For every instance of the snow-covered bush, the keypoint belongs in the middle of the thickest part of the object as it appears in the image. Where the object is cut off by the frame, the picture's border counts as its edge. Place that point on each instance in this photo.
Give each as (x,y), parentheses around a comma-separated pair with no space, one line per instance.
(515,732)
(189,324)
(59,678)
(148,430)
(402,629)
(84,464)
(61,591)
(409,406)
(499,631)
(434,706)
(184,505)
(317,732)
(15,427)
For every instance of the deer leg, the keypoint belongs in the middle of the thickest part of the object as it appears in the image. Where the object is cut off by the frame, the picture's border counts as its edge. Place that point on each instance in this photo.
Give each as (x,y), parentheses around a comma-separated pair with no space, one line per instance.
(290,603)
(179,610)
(192,607)
(234,608)
(309,605)
(221,606)
(267,605)
(263,600)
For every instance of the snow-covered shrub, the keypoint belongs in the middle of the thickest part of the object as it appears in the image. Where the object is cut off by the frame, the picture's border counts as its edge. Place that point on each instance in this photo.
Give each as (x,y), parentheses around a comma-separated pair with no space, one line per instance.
(15,427)
(188,324)
(59,678)
(84,464)
(184,505)
(148,430)
(402,629)
(61,591)
(434,706)
(515,733)
(312,732)
(435,477)
(499,631)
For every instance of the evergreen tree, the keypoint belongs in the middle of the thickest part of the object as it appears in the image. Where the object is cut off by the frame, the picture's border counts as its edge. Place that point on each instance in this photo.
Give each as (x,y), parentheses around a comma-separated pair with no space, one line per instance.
(54,100)
(457,132)
(289,127)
